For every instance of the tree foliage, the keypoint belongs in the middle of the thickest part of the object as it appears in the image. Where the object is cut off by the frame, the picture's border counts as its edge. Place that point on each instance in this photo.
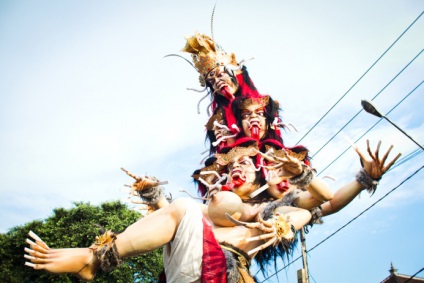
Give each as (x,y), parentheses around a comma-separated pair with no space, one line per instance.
(76,227)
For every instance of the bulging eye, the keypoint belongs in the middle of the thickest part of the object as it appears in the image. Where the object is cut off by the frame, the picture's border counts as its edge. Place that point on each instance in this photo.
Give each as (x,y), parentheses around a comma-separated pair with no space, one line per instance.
(261,113)
(245,162)
(246,114)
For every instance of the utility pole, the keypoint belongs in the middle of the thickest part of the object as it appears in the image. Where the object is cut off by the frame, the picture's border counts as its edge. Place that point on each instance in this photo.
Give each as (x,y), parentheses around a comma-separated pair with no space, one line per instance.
(303,274)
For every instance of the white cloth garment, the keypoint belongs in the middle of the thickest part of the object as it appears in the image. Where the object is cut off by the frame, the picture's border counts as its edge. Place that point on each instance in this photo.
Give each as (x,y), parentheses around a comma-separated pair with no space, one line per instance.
(182,257)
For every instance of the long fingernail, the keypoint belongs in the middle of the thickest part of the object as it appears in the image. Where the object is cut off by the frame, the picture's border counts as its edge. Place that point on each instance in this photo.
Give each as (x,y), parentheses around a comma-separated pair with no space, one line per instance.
(28,250)
(30,264)
(34,236)
(30,242)
(29,257)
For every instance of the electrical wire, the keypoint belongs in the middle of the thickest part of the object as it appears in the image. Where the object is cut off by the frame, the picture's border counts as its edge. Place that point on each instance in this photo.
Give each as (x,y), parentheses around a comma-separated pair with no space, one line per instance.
(349,222)
(401,71)
(411,155)
(408,157)
(338,157)
(360,78)
(410,278)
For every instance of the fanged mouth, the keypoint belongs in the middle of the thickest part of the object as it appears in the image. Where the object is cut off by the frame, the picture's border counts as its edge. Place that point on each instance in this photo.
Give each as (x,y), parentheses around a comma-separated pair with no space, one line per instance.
(283,187)
(254,123)
(238,175)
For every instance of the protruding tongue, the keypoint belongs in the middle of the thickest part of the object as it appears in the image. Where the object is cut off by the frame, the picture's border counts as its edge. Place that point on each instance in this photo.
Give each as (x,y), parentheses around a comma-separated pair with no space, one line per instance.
(283,186)
(254,130)
(237,182)
(226,92)
(227,187)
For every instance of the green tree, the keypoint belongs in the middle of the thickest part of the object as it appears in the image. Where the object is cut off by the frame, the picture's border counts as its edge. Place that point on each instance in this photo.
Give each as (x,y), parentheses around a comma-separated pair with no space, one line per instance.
(76,227)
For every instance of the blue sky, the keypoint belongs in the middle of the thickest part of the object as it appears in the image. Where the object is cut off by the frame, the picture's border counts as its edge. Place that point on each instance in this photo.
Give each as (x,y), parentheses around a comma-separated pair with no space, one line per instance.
(85,90)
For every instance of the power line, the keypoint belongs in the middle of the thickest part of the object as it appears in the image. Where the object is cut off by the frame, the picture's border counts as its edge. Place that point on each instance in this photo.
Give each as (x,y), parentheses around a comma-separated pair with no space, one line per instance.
(372,205)
(401,71)
(364,134)
(331,163)
(411,155)
(410,278)
(349,222)
(360,78)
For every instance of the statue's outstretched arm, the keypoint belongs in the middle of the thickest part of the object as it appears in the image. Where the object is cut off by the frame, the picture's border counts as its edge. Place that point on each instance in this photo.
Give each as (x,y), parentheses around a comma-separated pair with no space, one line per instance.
(367,178)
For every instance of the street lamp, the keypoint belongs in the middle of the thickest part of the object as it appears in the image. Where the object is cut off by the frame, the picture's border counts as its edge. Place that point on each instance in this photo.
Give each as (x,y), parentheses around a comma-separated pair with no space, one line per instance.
(370,108)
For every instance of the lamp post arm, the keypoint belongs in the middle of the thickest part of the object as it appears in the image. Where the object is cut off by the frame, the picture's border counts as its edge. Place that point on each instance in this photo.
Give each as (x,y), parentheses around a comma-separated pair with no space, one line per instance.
(403,132)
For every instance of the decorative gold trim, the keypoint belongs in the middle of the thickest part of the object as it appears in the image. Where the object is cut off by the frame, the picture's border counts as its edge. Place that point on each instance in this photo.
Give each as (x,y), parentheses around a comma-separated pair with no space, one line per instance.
(106,239)
(282,153)
(263,101)
(283,228)
(225,158)
(206,54)
(104,249)
(214,167)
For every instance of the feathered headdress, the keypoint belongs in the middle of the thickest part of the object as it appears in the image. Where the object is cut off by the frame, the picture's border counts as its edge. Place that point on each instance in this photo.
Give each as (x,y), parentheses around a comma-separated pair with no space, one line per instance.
(207,55)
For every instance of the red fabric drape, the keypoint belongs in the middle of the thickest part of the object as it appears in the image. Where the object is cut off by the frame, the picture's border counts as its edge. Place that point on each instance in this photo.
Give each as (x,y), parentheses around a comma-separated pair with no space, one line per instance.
(214,267)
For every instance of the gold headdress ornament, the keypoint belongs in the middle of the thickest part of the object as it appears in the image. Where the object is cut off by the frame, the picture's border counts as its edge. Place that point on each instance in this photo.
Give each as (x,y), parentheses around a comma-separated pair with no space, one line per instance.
(225,158)
(217,117)
(214,167)
(207,55)
(263,101)
(280,153)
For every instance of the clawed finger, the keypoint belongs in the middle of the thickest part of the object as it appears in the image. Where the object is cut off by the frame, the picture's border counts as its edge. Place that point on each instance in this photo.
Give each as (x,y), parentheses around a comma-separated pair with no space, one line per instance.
(29,251)
(386,155)
(260,237)
(30,264)
(36,247)
(392,162)
(31,243)
(29,257)
(39,257)
(237,222)
(273,167)
(137,178)
(38,240)
(34,259)
(33,253)
(34,236)
(377,150)
(265,155)
(281,159)
(35,266)
(261,247)
(369,150)
(355,147)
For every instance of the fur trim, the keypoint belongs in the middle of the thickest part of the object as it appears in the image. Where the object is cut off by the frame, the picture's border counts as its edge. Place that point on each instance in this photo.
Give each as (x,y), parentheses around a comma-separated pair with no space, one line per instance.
(237,264)
(233,274)
(104,250)
(366,181)
(316,216)
(152,195)
(304,179)
(288,200)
